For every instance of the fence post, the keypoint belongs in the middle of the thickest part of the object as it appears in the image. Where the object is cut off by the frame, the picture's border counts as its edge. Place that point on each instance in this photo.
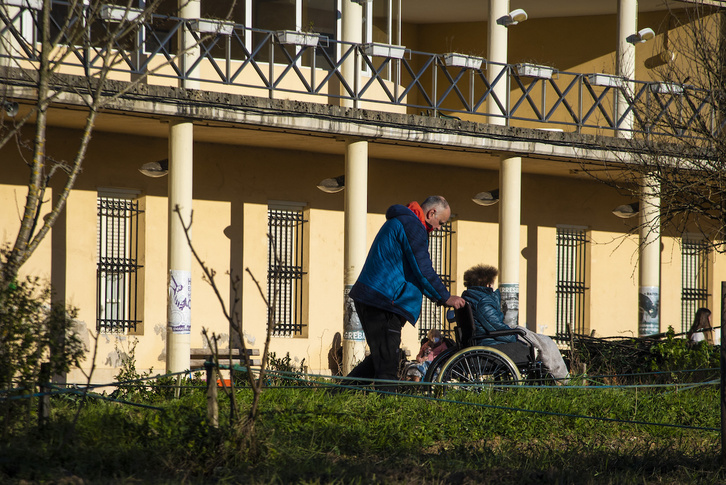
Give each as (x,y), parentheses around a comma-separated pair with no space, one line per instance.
(44,401)
(212,404)
(723,374)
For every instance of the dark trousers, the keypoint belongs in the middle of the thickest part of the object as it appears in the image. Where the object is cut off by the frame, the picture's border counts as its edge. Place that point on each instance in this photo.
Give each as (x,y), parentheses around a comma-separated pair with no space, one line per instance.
(383,334)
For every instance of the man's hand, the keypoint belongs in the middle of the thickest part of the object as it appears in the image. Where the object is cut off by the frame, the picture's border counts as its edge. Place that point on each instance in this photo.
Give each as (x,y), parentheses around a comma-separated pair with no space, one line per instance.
(455,301)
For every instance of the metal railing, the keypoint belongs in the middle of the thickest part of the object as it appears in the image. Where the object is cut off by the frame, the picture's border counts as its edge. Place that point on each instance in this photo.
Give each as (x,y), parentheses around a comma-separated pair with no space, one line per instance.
(237,59)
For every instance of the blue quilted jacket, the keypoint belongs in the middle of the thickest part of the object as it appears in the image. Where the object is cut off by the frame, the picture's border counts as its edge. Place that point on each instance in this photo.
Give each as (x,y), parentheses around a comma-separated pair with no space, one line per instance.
(398,271)
(486,305)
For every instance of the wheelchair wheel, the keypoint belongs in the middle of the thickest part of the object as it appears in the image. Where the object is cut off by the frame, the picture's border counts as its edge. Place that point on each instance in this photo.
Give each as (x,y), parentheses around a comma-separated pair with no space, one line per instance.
(479,366)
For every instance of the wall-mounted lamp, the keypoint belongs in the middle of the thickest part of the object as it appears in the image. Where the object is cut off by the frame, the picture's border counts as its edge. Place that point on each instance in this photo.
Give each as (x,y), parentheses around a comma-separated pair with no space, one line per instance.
(643,35)
(487,198)
(513,18)
(11,108)
(332,185)
(155,169)
(628,210)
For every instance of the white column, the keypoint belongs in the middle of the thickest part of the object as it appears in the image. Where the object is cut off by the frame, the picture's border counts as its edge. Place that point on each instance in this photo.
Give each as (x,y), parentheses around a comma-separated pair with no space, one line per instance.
(625,59)
(356,211)
(181,136)
(497,52)
(649,275)
(352,31)
(510,206)
(189,9)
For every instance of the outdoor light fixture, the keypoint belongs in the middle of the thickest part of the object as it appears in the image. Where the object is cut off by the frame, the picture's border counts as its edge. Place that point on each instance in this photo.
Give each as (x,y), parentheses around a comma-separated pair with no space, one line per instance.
(11,108)
(513,18)
(643,35)
(487,198)
(627,211)
(155,169)
(332,185)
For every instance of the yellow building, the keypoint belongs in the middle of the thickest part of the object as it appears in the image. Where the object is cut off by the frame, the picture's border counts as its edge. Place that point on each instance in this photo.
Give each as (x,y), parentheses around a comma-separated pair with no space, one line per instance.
(249,120)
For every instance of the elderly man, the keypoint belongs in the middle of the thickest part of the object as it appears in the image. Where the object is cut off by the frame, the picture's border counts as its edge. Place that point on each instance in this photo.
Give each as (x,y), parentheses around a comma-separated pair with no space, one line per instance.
(396,275)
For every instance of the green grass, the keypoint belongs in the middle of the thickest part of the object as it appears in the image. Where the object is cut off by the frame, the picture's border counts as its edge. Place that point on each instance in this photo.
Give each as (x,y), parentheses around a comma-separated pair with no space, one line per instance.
(311,436)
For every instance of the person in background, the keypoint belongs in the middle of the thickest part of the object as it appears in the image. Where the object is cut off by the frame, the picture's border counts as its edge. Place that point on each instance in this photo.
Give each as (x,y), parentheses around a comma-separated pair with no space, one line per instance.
(486,303)
(396,275)
(430,349)
(701,329)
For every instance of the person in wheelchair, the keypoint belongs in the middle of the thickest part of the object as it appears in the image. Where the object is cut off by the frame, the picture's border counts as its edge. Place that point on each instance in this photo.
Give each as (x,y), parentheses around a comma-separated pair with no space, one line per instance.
(486,303)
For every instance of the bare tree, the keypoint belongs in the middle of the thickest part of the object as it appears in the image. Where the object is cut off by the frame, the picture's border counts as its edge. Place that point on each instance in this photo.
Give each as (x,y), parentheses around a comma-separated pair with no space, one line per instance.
(105,30)
(679,148)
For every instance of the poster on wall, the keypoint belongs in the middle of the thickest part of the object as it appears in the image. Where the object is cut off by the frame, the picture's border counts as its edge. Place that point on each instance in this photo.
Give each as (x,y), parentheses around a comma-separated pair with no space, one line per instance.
(352,329)
(649,310)
(180,301)
(510,303)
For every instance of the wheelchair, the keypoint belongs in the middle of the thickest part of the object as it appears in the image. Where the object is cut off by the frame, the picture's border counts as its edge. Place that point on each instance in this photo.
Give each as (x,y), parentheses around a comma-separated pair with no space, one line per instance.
(505,363)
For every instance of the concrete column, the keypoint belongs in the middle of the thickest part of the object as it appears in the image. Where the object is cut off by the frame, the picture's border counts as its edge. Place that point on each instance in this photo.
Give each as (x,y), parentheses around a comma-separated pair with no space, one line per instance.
(352,31)
(181,139)
(625,60)
(356,211)
(510,207)
(189,9)
(497,52)
(649,298)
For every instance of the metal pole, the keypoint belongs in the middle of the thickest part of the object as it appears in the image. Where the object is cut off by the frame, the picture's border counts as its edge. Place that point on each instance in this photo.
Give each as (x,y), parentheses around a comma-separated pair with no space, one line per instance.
(723,373)
(212,404)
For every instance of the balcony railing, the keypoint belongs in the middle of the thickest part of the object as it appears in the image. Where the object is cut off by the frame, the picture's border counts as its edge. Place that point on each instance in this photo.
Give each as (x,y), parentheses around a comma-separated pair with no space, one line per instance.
(237,59)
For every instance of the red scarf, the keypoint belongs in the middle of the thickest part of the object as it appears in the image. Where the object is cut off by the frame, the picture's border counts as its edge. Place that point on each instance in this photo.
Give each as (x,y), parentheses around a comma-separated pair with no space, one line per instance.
(416,209)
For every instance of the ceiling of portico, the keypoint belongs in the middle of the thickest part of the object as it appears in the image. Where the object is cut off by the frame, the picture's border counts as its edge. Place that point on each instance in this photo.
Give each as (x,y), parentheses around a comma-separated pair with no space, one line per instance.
(437,11)
(264,137)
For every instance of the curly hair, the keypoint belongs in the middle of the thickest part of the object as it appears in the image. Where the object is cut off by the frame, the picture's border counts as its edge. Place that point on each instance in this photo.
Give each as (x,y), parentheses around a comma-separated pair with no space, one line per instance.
(480,275)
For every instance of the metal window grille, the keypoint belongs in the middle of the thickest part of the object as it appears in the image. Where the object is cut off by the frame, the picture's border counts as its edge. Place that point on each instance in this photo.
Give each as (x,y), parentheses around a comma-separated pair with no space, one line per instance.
(432,315)
(117,272)
(571,253)
(694,276)
(285,270)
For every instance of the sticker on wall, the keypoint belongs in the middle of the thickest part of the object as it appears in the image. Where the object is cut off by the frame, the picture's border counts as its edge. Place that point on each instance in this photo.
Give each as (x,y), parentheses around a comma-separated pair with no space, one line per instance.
(180,301)
(352,329)
(649,310)
(510,303)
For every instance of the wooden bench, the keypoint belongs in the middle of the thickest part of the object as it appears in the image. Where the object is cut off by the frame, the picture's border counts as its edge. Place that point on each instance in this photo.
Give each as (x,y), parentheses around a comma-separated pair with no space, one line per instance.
(199,356)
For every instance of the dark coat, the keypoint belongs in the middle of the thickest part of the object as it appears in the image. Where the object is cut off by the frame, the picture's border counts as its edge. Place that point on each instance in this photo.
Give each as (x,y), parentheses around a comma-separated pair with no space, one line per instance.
(486,305)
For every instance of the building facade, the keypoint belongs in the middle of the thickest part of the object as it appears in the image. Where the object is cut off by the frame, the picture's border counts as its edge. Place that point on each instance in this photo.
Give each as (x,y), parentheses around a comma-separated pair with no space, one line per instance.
(245,113)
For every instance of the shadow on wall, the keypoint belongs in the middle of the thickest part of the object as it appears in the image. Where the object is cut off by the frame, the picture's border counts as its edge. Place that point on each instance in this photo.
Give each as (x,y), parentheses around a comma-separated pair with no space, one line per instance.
(335,355)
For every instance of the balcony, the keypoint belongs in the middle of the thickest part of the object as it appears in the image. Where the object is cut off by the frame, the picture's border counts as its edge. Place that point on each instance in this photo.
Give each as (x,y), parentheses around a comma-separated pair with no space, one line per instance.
(235,59)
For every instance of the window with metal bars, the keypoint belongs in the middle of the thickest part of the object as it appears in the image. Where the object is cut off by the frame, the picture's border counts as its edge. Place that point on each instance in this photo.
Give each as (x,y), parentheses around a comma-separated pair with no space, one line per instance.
(571,267)
(432,315)
(117,272)
(694,277)
(285,270)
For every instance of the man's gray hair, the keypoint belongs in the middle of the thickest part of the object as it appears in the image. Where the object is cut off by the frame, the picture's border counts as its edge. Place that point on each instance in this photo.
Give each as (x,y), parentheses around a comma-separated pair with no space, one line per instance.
(434,202)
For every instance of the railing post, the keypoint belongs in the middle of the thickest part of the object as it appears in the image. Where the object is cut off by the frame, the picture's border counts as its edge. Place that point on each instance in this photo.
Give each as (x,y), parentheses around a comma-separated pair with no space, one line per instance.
(212,404)
(44,401)
(723,374)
